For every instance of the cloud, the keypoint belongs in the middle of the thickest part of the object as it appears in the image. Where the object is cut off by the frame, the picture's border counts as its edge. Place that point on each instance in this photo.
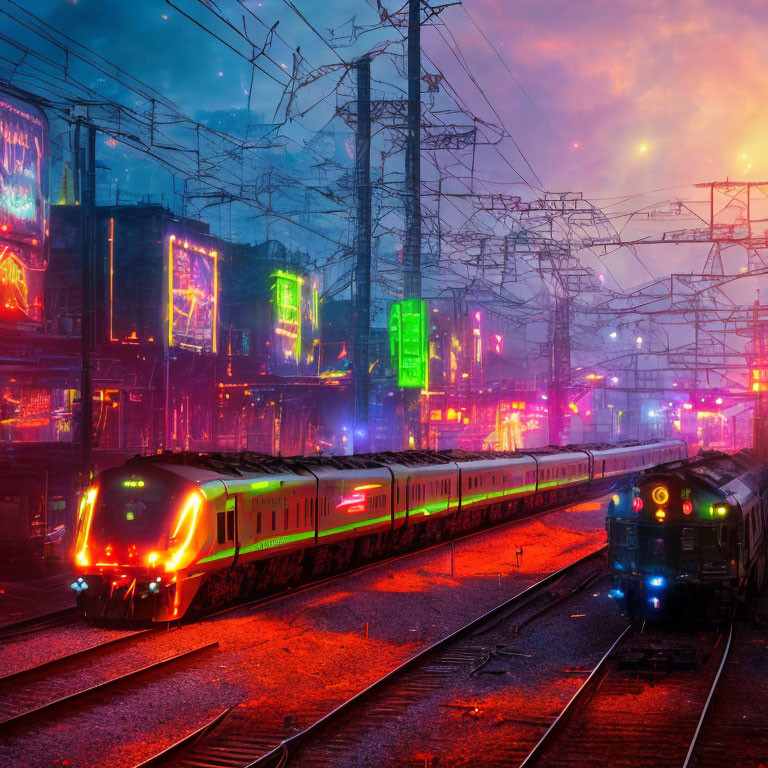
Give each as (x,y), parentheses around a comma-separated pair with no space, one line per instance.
(685,79)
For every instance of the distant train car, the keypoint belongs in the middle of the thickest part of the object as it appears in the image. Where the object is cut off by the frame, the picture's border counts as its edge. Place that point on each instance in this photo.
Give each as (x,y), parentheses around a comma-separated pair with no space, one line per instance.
(688,537)
(165,535)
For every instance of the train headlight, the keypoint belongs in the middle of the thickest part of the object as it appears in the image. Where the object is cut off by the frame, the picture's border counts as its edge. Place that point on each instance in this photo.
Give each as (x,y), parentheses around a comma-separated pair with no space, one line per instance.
(721,510)
(660,514)
(660,494)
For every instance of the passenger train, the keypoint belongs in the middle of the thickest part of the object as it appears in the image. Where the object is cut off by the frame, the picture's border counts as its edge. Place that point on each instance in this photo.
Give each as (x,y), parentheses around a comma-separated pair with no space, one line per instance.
(685,540)
(176,533)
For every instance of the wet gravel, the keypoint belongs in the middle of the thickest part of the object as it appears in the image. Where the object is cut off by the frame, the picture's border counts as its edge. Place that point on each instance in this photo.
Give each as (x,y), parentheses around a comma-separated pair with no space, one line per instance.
(307,652)
(493,718)
(30,650)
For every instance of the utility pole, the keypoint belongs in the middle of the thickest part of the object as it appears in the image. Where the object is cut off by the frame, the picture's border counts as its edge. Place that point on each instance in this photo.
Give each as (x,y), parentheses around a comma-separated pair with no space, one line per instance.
(559,365)
(362,438)
(412,250)
(87,186)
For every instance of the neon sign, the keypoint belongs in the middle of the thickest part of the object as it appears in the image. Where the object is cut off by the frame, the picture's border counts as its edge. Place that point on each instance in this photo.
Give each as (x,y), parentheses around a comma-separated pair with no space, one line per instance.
(14,294)
(23,167)
(409,342)
(286,303)
(193,291)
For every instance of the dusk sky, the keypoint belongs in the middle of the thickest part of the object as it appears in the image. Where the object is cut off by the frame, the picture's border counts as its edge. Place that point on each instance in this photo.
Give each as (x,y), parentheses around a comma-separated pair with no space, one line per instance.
(620,97)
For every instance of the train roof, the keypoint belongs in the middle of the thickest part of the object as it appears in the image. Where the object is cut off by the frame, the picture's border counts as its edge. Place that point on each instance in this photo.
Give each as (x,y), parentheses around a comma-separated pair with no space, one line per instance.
(241,463)
(713,469)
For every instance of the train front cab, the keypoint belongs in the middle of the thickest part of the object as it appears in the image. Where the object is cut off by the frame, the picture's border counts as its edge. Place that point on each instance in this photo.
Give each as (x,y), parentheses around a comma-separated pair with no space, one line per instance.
(673,550)
(139,527)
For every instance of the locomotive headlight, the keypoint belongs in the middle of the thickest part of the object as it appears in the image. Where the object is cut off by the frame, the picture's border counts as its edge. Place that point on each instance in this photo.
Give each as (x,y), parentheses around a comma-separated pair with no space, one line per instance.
(185,529)
(721,510)
(660,494)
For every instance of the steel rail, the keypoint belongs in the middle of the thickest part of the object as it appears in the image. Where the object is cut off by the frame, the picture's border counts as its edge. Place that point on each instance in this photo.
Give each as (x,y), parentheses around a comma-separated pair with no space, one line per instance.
(712,690)
(282,752)
(34,623)
(75,655)
(184,741)
(558,722)
(63,701)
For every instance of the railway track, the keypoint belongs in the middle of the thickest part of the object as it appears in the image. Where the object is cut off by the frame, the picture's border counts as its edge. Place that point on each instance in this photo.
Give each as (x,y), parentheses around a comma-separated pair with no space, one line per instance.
(733,730)
(52,620)
(394,693)
(51,689)
(643,704)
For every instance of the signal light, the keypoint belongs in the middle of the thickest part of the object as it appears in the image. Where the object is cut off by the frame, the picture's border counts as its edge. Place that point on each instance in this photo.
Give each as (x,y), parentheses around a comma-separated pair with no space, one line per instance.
(687,507)
(637,504)
(660,494)
(615,498)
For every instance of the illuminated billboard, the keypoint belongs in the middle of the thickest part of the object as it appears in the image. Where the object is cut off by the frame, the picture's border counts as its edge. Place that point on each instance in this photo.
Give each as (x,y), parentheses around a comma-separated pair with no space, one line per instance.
(409,342)
(286,308)
(24,153)
(193,287)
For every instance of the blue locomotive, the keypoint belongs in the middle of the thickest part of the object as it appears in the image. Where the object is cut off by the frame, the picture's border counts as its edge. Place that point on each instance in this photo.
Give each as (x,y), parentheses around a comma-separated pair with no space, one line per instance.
(686,539)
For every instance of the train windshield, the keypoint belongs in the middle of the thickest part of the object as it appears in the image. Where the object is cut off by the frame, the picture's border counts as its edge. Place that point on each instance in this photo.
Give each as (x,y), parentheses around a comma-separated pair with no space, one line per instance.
(132,515)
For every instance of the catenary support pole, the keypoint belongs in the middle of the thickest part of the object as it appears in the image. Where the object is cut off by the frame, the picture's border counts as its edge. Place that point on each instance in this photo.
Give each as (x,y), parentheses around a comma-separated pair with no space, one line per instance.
(362,296)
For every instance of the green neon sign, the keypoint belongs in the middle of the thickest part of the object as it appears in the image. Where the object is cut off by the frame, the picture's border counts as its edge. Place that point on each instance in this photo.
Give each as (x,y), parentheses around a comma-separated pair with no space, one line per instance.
(409,342)
(286,309)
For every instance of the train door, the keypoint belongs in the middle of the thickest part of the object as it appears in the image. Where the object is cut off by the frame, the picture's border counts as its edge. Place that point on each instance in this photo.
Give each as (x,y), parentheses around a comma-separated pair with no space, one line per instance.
(233,534)
(407,498)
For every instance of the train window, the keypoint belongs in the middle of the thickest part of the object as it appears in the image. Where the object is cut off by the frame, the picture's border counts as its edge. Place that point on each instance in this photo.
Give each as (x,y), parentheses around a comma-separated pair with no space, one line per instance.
(221,528)
(274,514)
(285,519)
(258,522)
(231,506)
